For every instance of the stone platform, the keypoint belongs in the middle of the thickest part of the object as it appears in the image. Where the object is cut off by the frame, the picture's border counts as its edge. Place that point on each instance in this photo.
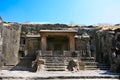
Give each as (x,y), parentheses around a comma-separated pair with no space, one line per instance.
(59,75)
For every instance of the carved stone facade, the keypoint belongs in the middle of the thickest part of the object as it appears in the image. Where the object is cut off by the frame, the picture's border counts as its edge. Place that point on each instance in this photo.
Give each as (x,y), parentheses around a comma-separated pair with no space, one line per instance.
(22,44)
(107,47)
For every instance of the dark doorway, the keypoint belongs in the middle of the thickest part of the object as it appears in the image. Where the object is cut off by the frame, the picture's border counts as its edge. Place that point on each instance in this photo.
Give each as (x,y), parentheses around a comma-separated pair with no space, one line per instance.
(57,44)
(57,50)
(33,45)
(57,47)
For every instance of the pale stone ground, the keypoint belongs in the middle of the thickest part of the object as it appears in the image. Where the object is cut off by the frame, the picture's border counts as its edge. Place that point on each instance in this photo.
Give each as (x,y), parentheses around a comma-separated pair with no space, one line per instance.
(56,74)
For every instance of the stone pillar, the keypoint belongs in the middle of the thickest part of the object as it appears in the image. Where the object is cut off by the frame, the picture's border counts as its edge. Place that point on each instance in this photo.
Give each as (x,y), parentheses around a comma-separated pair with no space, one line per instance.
(72,43)
(43,43)
(26,46)
(88,47)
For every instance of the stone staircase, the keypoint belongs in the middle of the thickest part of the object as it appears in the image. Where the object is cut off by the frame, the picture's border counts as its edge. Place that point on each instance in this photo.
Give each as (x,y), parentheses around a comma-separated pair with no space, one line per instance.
(103,66)
(54,63)
(90,64)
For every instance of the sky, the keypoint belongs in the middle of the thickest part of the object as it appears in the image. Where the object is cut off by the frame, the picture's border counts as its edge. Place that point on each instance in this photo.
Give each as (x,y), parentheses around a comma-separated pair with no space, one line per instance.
(85,12)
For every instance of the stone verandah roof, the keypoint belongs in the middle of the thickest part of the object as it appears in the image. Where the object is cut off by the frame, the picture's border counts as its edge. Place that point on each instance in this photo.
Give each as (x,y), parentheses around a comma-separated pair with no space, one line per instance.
(58,31)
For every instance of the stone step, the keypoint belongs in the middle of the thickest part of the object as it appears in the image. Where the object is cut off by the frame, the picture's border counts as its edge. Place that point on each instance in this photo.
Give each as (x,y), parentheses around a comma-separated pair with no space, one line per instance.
(91,59)
(72,77)
(52,57)
(16,68)
(55,69)
(9,67)
(94,67)
(91,68)
(103,66)
(55,64)
(59,58)
(52,61)
(90,63)
(62,78)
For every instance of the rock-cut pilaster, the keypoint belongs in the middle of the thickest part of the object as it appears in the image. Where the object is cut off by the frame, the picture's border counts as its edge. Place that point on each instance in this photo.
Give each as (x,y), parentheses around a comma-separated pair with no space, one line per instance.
(11,39)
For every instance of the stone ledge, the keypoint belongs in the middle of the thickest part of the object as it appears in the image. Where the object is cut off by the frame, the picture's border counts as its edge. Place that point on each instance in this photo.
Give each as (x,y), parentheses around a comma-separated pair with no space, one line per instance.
(64,77)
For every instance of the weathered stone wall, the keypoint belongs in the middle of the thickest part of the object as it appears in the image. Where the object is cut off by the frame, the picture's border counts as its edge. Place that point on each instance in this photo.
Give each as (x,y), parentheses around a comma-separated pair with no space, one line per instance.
(11,38)
(106,47)
(115,53)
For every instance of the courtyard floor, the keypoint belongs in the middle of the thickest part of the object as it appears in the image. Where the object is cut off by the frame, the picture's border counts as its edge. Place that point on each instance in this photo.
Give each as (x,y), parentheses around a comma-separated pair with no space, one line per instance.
(83,74)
